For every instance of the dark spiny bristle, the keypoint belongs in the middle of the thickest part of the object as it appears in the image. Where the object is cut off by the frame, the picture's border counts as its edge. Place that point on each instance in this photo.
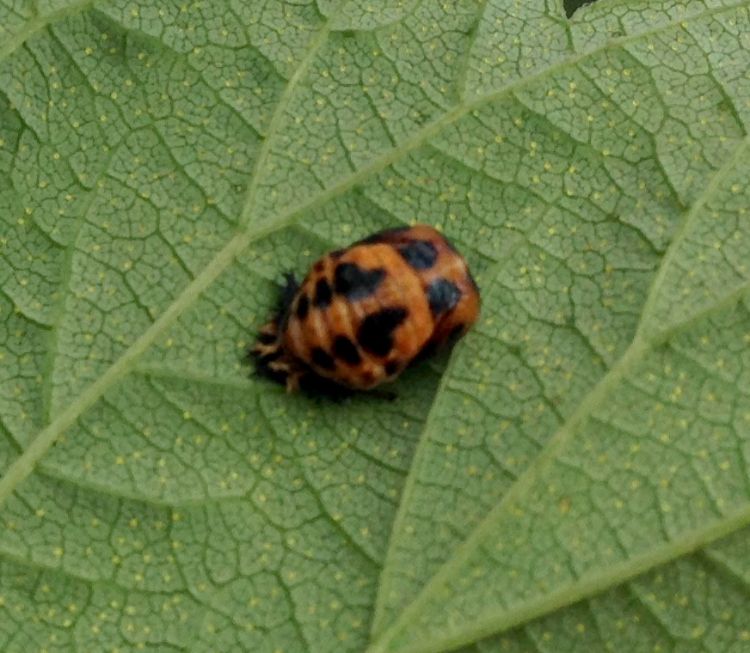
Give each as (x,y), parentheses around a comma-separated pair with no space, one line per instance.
(266,338)
(265,351)
(268,357)
(276,376)
(286,297)
(263,365)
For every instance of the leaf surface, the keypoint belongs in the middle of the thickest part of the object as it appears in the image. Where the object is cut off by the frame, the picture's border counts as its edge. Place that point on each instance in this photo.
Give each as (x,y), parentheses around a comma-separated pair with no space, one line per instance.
(579,464)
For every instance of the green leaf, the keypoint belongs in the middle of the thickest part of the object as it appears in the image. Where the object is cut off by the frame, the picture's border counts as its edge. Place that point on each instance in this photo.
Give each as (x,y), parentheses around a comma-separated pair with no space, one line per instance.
(573,477)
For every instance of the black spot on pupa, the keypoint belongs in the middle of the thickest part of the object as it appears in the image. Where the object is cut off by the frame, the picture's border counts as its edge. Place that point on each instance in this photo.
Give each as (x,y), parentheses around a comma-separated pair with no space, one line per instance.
(321,358)
(336,254)
(419,254)
(443,296)
(385,236)
(375,334)
(354,282)
(323,294)
(345,350)
(391,368)
(303,307)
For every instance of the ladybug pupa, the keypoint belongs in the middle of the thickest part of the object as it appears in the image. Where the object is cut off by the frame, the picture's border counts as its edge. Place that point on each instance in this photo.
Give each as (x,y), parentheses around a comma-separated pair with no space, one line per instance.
(365,313)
